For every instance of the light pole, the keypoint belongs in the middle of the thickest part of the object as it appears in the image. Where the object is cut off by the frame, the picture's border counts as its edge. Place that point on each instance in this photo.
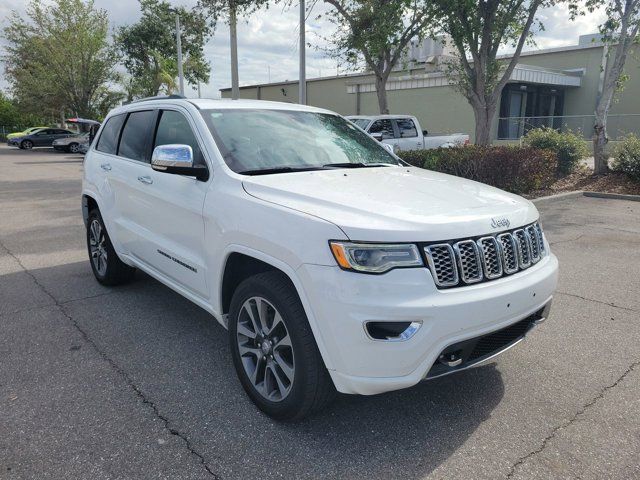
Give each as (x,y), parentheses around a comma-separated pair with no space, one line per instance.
(233,23)
(303,59)
(179,48)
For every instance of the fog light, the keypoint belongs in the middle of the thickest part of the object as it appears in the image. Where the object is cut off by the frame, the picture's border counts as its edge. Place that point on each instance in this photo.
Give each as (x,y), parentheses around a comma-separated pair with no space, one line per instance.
(392,331)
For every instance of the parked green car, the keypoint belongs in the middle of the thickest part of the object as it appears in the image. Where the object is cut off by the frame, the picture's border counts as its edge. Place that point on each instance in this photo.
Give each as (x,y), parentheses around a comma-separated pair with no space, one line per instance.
(23,133)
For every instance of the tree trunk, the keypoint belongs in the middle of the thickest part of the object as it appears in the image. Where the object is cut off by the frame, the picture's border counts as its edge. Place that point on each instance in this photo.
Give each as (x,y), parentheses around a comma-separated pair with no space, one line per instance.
(600,158)
(381,91)
(484,114)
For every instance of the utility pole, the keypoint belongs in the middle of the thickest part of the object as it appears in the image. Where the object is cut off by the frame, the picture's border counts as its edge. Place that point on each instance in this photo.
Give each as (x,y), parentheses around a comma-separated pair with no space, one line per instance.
(179,47)
(303,58)
(235,86)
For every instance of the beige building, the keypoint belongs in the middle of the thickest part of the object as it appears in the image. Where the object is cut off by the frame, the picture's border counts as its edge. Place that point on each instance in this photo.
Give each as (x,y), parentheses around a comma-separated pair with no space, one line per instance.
(555,87)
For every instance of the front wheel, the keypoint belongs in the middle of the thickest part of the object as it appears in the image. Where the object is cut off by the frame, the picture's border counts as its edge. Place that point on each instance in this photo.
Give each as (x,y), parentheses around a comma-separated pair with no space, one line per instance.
(274,352)
(107,267)
(74,148)
(26,145)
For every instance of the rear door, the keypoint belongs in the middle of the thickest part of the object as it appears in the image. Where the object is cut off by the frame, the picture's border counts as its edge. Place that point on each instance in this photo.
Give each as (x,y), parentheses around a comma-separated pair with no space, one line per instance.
(409,136)
(165,210)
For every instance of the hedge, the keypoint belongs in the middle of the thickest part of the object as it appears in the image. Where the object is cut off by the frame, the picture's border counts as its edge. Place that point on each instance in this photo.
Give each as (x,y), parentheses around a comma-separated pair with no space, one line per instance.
(568,147)
(626,157)
(512,168)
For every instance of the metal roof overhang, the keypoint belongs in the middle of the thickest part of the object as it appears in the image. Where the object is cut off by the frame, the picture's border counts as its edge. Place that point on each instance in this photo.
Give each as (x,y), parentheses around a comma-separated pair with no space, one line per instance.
(543,76)
(521,74)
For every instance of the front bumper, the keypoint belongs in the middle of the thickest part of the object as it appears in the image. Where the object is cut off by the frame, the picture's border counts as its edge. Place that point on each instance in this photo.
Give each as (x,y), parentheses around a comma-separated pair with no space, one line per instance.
(343,302)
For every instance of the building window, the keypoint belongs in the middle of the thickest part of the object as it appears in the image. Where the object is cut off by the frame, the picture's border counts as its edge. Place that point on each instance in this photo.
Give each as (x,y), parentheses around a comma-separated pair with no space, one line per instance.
(523,107)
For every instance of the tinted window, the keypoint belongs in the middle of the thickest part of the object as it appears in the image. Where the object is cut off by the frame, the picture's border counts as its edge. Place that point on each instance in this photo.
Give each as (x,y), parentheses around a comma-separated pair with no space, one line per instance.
(407,128)
(108,141)
(44,132)
(174,128)
(135,136)
(384,127)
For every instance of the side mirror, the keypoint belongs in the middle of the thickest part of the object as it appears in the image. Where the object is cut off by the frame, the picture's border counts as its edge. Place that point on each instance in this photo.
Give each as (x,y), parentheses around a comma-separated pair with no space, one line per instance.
(178,160)
(377,136)
(425,132)
(389,148)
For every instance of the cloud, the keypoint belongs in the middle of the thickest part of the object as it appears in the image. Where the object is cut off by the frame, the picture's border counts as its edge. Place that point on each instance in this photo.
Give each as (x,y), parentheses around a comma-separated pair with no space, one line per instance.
(268,40)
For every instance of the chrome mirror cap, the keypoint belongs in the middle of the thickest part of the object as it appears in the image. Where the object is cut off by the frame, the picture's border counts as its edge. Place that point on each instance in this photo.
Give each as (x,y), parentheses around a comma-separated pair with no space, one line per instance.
(174,155)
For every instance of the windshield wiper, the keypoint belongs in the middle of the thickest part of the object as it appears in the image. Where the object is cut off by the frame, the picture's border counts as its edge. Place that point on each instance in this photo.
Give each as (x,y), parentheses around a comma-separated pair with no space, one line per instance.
(354,165)
(267,171)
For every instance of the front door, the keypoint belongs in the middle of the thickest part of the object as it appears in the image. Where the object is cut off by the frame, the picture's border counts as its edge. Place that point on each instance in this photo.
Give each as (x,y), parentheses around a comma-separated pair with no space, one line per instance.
(164,209)
(385,128)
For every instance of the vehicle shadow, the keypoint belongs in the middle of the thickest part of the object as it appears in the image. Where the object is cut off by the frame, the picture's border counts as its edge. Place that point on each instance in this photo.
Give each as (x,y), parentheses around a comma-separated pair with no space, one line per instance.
(178,357)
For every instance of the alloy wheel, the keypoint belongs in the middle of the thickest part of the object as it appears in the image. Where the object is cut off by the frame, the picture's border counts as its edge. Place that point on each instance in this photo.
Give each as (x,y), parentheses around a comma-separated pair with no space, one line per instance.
(74,148)
(97,247)
(265,349)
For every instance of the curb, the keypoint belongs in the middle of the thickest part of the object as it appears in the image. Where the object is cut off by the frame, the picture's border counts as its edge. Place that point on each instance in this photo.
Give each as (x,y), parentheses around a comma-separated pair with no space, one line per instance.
(558,196)
(581,193)
(615,196)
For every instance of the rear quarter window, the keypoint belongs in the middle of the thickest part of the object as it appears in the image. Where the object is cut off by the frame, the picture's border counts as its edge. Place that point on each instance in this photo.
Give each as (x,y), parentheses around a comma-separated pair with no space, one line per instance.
(108,141)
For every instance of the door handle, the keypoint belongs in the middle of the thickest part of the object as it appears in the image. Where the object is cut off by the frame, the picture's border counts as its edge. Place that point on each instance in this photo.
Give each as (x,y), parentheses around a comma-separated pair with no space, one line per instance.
(146,180)
(106,167)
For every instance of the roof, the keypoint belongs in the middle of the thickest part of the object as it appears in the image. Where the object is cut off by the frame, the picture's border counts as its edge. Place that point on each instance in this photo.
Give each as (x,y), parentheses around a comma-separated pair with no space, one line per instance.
(224,103)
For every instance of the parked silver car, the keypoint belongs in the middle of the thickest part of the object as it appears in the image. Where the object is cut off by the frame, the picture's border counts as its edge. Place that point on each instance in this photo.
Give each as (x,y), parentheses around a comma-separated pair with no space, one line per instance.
(71,144)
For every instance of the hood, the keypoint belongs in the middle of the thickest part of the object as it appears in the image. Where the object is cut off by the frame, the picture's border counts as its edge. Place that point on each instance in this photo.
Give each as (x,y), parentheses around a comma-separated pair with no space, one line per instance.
(395,204)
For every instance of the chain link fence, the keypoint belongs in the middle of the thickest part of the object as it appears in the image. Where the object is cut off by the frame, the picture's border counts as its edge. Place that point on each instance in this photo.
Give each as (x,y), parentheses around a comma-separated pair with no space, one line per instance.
(619,125)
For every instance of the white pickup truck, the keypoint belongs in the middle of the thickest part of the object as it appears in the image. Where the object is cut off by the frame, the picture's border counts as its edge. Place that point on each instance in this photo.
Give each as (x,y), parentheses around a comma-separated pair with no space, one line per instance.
(403,132)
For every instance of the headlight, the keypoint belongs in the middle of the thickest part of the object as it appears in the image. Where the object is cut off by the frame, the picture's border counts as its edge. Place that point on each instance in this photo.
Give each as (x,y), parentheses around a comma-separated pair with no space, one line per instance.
(375,257)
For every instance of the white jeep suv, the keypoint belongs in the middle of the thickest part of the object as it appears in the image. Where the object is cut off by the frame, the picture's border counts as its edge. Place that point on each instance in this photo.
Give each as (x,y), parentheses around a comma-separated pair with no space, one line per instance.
(333,264)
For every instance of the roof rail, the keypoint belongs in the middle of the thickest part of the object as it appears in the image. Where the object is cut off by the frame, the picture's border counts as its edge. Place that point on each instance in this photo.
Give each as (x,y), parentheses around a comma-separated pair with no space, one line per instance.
(159,97)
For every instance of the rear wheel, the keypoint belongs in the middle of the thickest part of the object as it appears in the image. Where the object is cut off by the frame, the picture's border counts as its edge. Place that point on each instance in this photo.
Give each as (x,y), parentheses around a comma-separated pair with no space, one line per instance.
(26,145)
(107,267)
(274,352)
(74,148)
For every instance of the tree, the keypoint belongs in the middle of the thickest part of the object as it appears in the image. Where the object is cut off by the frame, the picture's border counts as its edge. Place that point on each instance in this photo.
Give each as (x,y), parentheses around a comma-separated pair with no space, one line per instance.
(619,32)
(377,31)
(477,30)
(231,9)
(148,48)
(59,57)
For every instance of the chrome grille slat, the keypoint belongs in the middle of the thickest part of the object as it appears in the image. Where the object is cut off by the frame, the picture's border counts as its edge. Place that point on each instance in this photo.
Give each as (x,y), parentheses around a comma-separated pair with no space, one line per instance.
(442,264)
(491,254)
(468,257)
(530,231)
(524,248)
(470,261)
(509,252)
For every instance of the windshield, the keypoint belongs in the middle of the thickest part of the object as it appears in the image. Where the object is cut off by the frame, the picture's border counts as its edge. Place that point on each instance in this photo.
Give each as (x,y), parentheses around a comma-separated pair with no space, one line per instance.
(254,140)
(361,122)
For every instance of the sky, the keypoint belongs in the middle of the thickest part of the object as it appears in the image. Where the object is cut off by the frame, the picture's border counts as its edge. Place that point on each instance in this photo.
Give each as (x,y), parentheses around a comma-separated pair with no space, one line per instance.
(268,41)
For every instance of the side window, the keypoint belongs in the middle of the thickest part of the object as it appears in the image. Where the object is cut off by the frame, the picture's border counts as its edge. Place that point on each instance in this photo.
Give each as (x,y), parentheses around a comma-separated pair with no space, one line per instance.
(137,130)
(44,132)
(382,126)
(407,128)
(173,127)
(108,141)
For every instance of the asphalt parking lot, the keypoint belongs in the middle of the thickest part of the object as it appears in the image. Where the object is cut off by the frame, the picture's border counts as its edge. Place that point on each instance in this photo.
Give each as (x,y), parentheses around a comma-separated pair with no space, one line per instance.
(136,382)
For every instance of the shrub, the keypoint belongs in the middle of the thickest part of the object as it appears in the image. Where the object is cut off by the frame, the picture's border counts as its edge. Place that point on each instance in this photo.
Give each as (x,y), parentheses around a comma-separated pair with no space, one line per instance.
(568,147)
(512,168)
(626,157)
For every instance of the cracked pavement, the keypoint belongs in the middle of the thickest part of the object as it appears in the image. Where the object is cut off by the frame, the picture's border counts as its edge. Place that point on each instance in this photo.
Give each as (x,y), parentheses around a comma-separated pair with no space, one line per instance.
(136,382)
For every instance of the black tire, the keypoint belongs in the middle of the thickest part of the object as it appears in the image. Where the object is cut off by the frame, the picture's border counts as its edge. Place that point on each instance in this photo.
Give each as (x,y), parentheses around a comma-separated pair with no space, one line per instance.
(113,271)
(312,388)
(73,148)
(26,145)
